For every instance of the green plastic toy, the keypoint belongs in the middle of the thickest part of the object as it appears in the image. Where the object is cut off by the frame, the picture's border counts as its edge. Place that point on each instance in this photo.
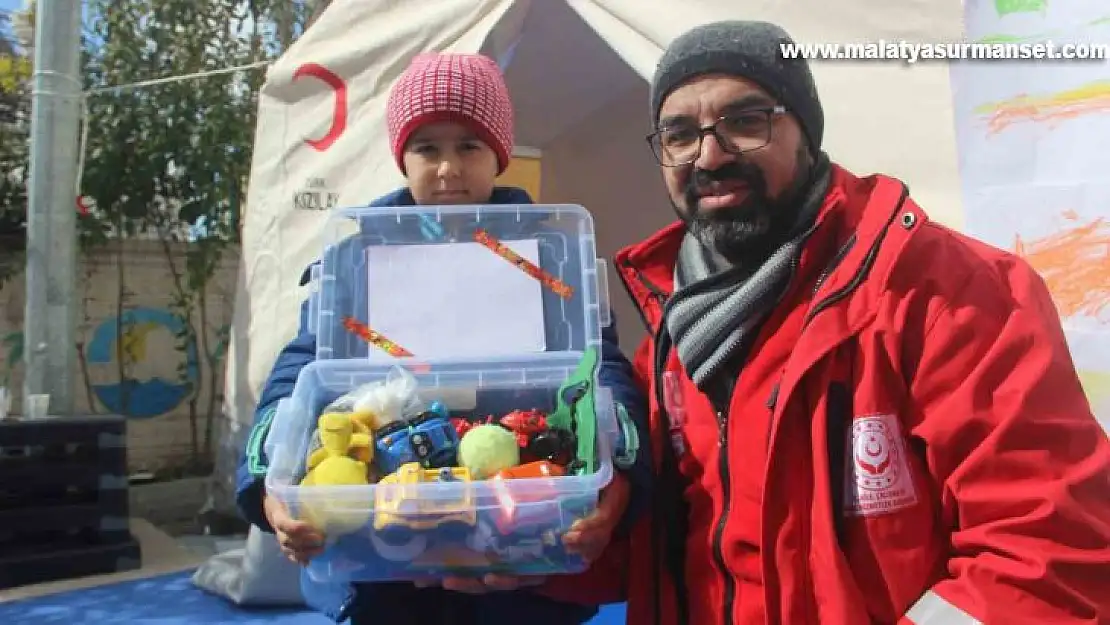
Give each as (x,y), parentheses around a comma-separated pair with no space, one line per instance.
(576,411)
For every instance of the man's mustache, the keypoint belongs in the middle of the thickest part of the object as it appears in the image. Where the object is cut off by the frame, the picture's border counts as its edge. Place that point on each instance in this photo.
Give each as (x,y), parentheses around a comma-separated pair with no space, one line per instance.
(741,172)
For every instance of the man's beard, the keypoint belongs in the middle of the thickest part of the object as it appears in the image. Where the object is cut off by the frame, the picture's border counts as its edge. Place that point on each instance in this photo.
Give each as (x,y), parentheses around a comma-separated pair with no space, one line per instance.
(752,229)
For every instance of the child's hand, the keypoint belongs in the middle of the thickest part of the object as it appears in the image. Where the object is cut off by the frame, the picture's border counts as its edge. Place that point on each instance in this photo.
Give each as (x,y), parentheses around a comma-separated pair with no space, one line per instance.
(297,539)
(588,537)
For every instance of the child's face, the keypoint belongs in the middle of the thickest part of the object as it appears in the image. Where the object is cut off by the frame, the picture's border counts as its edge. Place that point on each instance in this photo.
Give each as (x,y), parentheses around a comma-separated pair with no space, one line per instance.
(447,164)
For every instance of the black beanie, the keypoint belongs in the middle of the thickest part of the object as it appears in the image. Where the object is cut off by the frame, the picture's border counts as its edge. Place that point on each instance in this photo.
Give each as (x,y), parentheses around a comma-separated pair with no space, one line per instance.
(749,50)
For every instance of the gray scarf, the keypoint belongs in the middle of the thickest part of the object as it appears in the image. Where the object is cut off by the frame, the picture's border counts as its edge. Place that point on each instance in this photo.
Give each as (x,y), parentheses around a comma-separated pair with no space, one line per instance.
(717,308)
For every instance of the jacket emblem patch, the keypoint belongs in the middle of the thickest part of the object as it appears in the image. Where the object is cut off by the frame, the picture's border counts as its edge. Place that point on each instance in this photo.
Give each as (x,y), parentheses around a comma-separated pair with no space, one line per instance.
(877,478)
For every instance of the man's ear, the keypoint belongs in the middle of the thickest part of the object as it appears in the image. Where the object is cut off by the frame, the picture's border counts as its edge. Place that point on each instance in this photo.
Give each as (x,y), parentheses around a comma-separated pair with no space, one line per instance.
(806,161)
(805,154)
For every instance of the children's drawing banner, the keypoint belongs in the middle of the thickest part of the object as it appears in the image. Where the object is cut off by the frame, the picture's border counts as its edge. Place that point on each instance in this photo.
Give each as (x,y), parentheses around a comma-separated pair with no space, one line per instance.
(1033,139)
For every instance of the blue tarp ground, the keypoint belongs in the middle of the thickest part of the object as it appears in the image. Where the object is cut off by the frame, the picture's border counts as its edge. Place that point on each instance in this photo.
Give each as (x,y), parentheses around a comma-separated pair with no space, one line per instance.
(168,600)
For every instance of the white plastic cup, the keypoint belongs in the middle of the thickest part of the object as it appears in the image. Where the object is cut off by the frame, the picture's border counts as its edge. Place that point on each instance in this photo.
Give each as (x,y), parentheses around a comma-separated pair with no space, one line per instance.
(38,406)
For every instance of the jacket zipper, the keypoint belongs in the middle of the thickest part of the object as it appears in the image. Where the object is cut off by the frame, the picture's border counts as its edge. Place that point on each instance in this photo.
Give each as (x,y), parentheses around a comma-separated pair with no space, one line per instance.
(865,266)
(837,258)
(719,534)
(656,292)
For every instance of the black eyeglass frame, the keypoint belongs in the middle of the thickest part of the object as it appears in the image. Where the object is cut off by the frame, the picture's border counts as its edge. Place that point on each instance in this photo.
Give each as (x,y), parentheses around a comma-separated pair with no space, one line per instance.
(770,111)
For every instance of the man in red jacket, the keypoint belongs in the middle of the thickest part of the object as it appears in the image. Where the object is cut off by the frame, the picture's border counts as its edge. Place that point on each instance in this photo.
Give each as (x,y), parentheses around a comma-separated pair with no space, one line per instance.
(858,415)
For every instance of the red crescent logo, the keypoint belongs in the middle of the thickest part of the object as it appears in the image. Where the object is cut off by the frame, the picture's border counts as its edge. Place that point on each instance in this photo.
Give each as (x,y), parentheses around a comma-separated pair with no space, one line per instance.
(339,115)
(873,448)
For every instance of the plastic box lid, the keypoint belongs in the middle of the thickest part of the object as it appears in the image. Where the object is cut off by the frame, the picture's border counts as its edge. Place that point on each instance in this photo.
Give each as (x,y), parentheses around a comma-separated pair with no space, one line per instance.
(410,530)
(408,243)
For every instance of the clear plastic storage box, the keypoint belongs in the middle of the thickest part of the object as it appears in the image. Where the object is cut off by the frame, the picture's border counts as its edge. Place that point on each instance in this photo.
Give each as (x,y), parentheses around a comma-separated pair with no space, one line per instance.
(433,522)
(451,423)
(375,259)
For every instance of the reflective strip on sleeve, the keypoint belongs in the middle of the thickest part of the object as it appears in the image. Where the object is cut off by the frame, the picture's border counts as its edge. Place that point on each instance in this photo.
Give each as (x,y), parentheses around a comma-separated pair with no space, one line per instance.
(933,609)
(256,465)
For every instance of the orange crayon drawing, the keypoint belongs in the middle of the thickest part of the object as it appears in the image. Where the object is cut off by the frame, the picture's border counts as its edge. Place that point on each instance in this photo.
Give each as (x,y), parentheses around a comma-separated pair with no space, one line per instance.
(1089,99)
(1075,264)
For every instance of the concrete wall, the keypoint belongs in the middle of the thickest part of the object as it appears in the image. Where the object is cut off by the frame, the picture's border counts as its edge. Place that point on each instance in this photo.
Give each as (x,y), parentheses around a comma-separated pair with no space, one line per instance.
(160,431)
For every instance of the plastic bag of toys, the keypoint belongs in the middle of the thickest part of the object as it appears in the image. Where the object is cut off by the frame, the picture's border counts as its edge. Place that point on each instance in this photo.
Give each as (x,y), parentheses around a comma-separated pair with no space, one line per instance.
(380,403)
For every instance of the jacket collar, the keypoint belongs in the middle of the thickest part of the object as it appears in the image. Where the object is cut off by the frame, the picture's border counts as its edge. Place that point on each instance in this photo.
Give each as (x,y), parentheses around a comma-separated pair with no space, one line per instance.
(853,217)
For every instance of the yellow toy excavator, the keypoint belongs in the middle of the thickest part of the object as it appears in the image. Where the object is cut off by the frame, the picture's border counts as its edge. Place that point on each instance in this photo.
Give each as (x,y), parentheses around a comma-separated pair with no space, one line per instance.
(342,460)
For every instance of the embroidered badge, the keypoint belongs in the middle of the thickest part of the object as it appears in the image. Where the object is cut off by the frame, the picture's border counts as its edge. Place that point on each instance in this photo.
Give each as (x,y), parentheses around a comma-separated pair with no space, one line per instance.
(878,478)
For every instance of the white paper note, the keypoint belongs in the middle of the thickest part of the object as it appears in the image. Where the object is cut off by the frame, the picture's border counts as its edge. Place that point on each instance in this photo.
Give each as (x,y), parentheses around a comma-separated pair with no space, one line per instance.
(457,300)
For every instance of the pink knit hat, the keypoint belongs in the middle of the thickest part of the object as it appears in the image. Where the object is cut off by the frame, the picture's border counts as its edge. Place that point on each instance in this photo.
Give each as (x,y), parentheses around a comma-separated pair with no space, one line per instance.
(464,88)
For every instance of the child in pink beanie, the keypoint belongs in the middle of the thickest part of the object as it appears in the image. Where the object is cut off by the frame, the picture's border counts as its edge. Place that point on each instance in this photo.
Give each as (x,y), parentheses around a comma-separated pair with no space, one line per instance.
(450,123)
(433,89)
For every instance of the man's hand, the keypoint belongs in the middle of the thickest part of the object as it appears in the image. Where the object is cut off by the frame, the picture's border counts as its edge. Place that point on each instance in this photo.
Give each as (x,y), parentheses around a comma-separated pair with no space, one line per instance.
(590,536)
(297,539)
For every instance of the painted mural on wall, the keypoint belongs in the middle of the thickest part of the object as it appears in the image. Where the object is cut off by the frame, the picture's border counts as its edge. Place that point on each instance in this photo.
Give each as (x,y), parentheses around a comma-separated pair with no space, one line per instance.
(169,387)
(160,375)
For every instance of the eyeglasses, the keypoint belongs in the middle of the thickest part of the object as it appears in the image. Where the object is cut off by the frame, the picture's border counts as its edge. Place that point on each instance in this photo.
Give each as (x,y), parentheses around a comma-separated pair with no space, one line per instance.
(678,145)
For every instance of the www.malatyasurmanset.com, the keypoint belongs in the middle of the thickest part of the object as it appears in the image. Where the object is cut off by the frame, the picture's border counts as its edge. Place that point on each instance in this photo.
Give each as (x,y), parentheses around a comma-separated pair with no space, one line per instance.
(911,52)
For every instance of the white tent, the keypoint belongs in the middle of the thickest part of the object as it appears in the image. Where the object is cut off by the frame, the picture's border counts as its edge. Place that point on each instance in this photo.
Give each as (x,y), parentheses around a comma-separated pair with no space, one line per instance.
(578,72)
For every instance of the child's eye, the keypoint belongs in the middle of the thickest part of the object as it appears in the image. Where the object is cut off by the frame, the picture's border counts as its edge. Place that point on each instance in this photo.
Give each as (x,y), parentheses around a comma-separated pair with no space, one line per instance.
(470,146)
(424,149)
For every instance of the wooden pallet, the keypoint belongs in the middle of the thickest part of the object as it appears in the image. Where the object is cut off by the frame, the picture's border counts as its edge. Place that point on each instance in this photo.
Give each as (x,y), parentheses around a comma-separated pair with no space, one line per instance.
(63,499)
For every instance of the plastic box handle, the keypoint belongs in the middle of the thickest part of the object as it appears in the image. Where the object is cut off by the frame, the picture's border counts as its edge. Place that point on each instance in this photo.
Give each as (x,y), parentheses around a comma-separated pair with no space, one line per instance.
(314,298)
(604,318)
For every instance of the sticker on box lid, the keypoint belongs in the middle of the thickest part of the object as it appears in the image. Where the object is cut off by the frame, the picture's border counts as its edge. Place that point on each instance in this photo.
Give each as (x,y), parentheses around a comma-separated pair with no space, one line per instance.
(560,288)
(375,338)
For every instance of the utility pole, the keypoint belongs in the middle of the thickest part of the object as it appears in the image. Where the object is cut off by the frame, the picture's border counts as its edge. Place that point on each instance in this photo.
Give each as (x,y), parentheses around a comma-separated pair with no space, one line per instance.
(50,319)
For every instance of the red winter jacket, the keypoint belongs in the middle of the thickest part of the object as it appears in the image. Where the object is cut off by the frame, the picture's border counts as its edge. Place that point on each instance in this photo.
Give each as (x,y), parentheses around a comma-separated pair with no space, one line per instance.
(925,453)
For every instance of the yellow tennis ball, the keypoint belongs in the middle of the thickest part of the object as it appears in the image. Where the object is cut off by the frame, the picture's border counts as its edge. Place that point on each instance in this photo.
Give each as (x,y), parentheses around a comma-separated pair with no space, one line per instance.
(487,449)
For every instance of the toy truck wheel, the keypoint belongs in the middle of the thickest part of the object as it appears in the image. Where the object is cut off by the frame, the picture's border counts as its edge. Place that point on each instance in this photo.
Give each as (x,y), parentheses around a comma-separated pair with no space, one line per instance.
(404,551)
